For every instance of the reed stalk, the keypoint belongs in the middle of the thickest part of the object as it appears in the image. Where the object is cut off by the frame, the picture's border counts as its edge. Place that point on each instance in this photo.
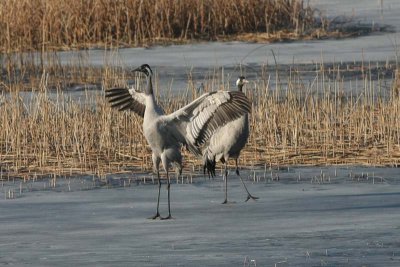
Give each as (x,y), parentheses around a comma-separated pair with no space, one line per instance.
(50,131)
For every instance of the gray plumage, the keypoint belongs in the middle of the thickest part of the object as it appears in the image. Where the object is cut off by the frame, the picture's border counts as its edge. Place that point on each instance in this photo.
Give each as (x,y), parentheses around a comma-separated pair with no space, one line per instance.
(227,142)
(190,126)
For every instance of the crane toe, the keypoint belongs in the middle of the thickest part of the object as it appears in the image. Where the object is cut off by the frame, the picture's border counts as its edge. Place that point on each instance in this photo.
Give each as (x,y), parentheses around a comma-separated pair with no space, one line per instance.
(155,216)
(249,196)
(169,217)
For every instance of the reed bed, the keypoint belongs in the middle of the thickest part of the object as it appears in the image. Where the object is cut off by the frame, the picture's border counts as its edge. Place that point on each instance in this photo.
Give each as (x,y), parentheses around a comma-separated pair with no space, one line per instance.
(44,25)
(53,132)
(293,126)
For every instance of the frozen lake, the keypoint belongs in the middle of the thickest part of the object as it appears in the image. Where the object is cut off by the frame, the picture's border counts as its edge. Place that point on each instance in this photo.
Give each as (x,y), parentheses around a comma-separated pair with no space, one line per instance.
(344,216)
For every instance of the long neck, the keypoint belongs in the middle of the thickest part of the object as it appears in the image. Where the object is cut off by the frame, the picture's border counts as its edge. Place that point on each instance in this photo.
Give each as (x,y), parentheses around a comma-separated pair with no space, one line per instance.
(149,87)
(152,107)
(240,87)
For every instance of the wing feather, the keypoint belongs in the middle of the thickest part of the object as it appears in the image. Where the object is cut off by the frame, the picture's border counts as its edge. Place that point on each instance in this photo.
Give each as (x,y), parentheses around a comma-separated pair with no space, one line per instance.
(198,120)
(227,107)
(124,98)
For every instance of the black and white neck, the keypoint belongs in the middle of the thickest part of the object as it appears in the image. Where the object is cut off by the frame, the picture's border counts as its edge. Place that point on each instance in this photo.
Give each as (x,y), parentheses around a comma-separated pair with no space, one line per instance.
(145,68)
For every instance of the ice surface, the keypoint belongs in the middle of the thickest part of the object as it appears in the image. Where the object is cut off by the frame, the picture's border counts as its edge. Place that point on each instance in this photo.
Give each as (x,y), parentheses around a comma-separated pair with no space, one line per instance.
(310,217)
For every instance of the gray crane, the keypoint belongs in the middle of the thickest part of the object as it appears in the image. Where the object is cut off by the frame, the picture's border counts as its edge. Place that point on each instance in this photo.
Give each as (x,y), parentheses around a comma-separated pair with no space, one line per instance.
(190,126)
(227,142)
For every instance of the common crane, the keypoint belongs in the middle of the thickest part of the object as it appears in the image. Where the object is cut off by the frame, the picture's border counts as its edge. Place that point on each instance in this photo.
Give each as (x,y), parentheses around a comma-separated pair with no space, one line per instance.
(227,142)
(190,126)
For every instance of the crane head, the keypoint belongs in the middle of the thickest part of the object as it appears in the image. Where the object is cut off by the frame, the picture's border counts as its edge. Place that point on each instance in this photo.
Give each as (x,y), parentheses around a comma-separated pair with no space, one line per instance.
(145,68)
(240,82)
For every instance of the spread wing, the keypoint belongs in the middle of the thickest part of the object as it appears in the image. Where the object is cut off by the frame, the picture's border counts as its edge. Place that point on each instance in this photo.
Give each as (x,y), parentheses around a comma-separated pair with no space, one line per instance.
(125,98)
(197,121)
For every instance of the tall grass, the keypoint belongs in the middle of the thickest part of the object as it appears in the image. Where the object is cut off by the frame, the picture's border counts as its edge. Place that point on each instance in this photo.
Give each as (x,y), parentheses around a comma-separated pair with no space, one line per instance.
(43,25)
(295,126)
(53,132)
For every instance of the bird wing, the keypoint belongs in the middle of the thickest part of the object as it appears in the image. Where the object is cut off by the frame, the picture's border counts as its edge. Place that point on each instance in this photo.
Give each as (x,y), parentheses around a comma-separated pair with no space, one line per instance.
(198,120)
(125,98)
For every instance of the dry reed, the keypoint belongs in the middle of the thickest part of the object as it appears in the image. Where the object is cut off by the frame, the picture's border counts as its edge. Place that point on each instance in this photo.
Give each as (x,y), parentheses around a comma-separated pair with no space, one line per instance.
(53,132)
(43,25)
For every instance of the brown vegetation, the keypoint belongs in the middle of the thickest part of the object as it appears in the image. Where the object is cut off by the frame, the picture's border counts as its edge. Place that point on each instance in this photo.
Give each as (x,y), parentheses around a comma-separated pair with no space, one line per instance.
(317,123)
(43,25)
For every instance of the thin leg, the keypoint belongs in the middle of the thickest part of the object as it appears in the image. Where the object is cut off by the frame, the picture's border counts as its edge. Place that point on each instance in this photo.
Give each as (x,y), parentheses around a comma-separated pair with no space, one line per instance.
(158,198)
(226,182)
(245,187)
(169,198)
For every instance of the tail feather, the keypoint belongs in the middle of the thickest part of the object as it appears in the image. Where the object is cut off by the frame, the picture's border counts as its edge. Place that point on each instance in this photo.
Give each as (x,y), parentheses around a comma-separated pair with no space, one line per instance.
(209,166)
(209,162)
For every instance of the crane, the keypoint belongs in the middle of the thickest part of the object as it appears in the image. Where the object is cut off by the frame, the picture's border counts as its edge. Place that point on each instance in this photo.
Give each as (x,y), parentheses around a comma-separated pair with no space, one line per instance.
(190,126)
(227,142)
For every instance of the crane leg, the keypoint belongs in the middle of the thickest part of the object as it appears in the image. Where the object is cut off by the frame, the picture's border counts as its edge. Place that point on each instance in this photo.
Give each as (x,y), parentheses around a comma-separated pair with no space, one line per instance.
(158,198)
(169,199)
(226,182)
(249,196)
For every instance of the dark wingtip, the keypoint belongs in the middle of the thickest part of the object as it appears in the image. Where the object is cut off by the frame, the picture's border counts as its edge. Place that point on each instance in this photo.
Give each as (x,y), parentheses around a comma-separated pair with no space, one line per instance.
(121,99)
